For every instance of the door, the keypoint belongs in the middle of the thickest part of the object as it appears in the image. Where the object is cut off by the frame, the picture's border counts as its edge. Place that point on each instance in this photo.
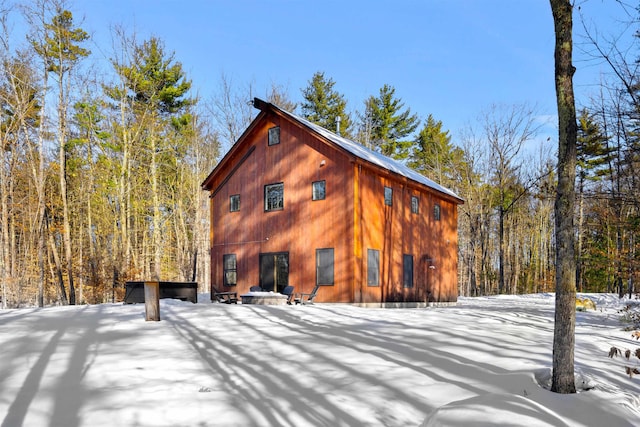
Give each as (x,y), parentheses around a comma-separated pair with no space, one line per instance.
(274,271)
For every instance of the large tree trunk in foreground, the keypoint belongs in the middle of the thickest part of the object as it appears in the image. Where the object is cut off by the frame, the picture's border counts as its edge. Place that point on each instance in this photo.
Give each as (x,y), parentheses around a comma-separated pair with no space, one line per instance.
(565,317)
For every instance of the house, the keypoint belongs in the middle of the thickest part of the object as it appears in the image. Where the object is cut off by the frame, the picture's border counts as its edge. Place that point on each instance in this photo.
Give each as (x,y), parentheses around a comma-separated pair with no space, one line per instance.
(295,204)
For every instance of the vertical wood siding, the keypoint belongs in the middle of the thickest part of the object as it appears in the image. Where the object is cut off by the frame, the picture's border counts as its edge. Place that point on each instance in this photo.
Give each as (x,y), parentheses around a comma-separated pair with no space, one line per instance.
(351,219)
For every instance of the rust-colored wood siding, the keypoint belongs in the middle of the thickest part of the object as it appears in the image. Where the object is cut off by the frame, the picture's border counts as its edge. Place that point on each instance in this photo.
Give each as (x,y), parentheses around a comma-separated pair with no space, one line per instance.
(301,227)
(395,231)
(351,219)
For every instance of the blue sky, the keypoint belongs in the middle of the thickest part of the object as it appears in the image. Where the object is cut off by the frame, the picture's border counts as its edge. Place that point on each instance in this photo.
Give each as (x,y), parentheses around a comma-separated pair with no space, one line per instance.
(448,58)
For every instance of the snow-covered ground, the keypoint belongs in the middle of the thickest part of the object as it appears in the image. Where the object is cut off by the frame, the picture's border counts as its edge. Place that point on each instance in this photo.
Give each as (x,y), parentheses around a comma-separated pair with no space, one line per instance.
(479,363)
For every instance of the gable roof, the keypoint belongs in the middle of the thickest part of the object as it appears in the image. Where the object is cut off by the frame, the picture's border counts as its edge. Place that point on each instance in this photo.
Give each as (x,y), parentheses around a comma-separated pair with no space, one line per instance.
(360,150)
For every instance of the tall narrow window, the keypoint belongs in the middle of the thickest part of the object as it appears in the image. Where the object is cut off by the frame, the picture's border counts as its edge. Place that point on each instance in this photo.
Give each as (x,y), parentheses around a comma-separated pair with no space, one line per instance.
(388,196)
(318,189)
(234,203)
(274,197)
(324,266)
(373,267)
(230,269)
(407,271)
(436,212)
(274,135)
(415,204)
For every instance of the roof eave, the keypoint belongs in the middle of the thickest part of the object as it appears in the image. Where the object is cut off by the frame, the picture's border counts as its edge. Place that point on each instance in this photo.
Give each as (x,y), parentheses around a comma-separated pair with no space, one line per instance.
(206,184)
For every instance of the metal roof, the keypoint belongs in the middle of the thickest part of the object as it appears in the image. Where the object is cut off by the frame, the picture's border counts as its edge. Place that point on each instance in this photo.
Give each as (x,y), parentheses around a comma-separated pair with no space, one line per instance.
(361,151)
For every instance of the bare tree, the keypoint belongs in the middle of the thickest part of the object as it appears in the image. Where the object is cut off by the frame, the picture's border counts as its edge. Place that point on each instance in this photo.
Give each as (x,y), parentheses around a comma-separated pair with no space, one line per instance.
(507,129)
(278,95)
(232,110)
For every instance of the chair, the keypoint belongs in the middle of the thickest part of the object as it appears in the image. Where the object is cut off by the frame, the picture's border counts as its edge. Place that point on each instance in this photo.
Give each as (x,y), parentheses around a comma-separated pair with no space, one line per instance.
(304,298)
(288,291)
(225,297)
(255,289)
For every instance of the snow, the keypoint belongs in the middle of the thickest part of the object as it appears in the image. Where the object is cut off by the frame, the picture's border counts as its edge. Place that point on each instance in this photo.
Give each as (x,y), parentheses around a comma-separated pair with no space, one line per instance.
(482,362)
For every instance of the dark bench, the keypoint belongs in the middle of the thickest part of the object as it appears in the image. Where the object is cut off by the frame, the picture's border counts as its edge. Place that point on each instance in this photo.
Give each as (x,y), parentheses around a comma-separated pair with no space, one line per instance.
(224,297)
(185,291)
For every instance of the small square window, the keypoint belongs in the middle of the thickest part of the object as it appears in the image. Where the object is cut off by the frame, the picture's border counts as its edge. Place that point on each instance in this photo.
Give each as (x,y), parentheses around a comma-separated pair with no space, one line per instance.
(436,212)
(234,203)
(388,196)
(318,190)
(274,197)
(274,135)
(415,204)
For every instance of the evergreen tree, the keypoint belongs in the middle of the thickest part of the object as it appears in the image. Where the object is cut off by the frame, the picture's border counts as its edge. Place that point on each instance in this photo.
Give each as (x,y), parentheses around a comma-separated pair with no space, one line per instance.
(324,106)
(155,80)
(390,123)
(61,50)
(156,93)
(433,155)
(593,152)
(593,157)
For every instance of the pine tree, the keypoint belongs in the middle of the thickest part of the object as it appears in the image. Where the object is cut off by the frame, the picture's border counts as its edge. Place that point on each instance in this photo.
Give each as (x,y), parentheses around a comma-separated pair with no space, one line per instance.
(61,50)
(156,91)
(390,123)
(433,155)
(593,153)
(325,106)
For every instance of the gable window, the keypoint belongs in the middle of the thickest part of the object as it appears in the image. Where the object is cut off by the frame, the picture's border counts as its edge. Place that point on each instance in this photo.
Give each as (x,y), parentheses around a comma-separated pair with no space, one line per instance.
(407,271)
(388,196)
(274,135)
(234,203)
(415,204)
(318,189)
(274,197)
(436,212)
(230,269)
(324,266)
(373,267)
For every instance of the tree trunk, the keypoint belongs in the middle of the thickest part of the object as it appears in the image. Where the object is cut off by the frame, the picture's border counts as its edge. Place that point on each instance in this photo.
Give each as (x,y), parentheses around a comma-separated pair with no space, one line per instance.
(58,266)
(4,221)
(579,277)
(563,380)
(501,248)
(66,234)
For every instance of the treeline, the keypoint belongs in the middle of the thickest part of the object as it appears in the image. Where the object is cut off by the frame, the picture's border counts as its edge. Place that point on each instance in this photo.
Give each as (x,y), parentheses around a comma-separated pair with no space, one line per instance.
(99,178)
(100,170)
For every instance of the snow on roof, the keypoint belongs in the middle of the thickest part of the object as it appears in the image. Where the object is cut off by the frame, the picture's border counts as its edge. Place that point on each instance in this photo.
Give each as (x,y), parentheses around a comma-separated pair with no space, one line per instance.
(367,154)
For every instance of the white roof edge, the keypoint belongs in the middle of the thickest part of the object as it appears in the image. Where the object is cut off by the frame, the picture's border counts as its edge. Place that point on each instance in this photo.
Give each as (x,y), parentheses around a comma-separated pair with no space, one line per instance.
(371,156)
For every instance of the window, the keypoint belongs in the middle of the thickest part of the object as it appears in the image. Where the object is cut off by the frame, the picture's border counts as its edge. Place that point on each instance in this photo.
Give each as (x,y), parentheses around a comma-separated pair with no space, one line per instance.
(407,271)
(324,266)
(274,197)
(318,190)
(373,267)
(415,204)
(234,203)
(230,269)
(388,196)
(274,135)
(436,212)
